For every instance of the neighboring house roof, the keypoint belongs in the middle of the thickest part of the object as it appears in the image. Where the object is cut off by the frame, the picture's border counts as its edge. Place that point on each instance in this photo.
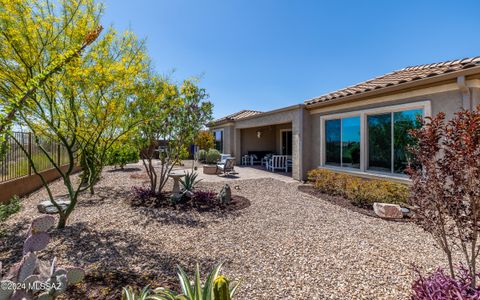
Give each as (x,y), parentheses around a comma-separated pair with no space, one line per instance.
(399,77)
(236,116)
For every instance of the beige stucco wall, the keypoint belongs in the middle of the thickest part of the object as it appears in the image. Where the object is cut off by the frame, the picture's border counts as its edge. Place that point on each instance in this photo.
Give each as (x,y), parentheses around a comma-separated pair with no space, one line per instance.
(250,141)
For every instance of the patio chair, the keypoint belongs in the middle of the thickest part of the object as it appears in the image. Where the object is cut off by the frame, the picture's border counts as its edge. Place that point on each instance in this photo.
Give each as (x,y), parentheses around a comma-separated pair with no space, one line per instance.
(266,159)
(228,167)
(224,157)
(278,162)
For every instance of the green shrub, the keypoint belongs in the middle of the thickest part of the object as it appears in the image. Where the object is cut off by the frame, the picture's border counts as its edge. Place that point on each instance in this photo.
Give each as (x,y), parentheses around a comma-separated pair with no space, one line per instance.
(201,155)
(213,156)
(358,190)
(9,208)
(120,156)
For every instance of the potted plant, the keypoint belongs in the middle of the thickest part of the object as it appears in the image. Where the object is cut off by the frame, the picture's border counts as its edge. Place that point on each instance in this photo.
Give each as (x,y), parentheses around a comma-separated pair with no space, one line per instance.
(210,158)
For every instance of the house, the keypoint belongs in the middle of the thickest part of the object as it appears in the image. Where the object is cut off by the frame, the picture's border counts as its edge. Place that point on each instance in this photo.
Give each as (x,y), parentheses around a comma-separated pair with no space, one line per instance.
(360,129)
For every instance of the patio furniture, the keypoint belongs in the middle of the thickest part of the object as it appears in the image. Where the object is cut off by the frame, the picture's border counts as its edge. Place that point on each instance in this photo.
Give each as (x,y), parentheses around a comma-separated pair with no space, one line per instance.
(265,159)
(259,155)
(228,167)
(223,158)
(246,160)
(278,162)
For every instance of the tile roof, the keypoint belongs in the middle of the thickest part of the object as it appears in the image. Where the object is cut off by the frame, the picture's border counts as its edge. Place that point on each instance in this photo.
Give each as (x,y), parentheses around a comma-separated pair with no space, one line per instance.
(399,77)
(236,116)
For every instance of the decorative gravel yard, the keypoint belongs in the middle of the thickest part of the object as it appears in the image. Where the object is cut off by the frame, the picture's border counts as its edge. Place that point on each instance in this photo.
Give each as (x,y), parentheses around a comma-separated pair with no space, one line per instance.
(285,245)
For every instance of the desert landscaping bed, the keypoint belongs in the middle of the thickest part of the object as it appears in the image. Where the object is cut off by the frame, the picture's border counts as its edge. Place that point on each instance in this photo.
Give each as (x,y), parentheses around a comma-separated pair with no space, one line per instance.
(285,244)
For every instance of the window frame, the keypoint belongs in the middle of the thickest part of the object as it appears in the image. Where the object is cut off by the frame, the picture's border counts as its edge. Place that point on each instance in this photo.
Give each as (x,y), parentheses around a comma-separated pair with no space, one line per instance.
(424,105)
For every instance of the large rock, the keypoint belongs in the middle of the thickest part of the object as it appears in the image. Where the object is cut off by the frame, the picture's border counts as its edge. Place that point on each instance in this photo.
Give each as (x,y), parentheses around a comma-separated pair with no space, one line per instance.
(388,211)
(47,207)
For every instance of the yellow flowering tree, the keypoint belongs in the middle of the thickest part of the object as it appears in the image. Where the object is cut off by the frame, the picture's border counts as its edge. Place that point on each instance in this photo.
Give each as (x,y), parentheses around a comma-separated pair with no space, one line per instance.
(86,106)
(36,40)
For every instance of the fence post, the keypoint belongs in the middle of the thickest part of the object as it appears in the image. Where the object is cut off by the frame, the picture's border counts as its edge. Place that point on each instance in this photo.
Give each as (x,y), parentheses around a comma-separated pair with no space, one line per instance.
(58,154)
(29,153)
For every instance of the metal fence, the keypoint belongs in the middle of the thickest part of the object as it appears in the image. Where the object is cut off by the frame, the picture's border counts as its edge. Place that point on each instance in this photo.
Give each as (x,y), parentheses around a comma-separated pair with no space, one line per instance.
(14,163)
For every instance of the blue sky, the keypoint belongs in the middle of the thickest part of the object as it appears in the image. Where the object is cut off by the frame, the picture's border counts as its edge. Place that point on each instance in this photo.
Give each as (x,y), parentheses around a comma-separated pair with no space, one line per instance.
(267,54)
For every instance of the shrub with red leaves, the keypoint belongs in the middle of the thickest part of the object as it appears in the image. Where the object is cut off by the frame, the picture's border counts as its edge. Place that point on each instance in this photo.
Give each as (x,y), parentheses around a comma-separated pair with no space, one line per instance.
(440,286)
(445,193)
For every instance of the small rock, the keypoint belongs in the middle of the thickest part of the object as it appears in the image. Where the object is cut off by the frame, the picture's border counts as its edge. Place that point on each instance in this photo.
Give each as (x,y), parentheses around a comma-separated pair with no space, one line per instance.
(388,211)
(47,207)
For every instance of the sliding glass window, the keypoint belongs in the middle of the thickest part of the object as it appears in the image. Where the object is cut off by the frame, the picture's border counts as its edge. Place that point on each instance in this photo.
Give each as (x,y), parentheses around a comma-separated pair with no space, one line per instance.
(342,142)
(388,139)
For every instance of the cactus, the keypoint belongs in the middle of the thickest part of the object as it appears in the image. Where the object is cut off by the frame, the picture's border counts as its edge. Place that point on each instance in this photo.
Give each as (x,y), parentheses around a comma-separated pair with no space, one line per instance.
(221,290)
(42,224)
(36,242)
(42,280)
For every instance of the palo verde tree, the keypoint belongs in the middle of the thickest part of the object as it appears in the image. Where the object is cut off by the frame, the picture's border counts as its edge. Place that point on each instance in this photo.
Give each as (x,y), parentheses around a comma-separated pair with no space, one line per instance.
(85,108)
(37,39)
(445,176)
(173,115)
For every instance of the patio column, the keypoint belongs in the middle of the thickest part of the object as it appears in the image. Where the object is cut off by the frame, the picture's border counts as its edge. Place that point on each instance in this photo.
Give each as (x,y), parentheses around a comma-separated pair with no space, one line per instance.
(297,133)
(237,151)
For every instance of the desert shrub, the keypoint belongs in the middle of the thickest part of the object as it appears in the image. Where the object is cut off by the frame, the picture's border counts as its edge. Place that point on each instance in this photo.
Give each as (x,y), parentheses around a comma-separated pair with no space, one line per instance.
(445,174)
(213,156)
(440,286)
(120,156)
(9,208)
(143,196)
(359,191)
(201,155)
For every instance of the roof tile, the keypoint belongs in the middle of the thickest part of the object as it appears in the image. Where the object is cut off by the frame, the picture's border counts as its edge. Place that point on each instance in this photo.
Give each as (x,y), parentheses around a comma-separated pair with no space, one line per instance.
(402,76)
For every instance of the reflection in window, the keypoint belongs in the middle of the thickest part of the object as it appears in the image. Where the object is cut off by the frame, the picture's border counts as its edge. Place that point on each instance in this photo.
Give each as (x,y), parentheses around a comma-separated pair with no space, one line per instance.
(403,122)
(380,142)
(218,135)
(351,142)
(342,139)
(332,142)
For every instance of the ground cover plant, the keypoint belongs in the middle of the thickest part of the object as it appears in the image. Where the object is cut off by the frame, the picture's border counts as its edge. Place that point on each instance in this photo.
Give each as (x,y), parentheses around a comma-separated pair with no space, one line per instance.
(9,208)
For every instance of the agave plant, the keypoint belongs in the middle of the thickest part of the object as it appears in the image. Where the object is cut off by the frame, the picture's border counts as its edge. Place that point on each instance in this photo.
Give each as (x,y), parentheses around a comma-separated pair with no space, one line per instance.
(215,288)
(190,181)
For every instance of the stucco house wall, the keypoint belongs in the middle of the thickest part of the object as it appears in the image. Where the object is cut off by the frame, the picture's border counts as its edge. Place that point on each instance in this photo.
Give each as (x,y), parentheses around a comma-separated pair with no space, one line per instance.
(448,102)
(443,87)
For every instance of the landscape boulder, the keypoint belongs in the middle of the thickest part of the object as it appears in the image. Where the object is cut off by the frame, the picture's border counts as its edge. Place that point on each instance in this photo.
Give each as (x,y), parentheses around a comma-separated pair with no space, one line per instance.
(47,207)
(387,210)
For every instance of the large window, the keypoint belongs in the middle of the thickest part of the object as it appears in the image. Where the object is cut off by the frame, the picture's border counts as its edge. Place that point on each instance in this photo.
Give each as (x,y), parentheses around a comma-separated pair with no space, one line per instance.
(218,135)
(388,139)
(342,142)
(371,140)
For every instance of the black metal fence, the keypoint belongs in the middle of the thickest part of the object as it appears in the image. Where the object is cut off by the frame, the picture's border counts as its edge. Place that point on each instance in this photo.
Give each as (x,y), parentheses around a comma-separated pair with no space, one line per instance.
(14,163)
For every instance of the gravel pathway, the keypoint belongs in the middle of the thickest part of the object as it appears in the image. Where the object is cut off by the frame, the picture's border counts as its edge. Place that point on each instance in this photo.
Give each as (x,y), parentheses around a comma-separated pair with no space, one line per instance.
(286,245)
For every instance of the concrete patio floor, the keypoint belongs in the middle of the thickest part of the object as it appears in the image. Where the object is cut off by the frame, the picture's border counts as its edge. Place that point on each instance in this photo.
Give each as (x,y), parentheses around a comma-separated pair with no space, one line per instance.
(241,173)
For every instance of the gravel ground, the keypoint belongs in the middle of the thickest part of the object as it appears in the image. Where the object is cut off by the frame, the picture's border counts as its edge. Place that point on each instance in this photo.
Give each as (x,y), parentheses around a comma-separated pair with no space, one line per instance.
(286,245)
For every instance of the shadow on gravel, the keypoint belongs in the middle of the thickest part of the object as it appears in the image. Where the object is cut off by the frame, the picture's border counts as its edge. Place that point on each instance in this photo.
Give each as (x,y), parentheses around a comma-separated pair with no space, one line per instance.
(117,258)
(12,239)
(124,170)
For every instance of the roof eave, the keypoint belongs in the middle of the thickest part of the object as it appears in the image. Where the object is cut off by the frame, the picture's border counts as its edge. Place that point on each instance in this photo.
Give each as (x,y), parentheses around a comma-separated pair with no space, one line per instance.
(396,88)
